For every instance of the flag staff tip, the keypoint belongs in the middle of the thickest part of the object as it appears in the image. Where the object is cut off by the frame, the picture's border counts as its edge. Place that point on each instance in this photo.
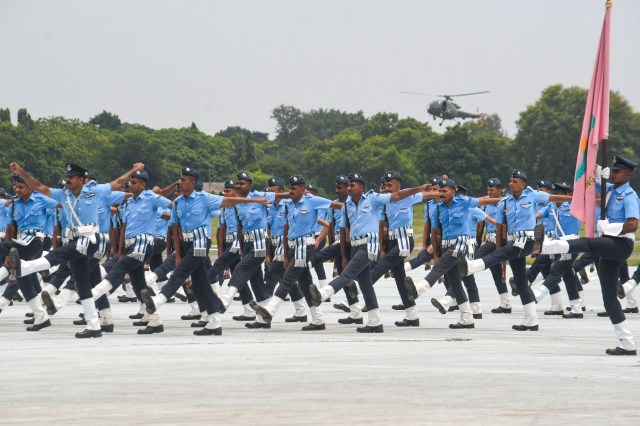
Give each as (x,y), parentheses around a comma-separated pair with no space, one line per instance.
(608,4)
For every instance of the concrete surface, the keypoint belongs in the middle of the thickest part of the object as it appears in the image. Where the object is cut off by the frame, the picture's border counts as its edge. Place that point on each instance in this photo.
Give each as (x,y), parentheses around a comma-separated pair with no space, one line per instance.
(424,375)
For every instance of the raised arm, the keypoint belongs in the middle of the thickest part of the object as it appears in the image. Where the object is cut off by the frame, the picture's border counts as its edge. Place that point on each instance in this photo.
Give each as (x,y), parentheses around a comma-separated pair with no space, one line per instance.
(230,201)
(115,184)
(404,193)
(33,183)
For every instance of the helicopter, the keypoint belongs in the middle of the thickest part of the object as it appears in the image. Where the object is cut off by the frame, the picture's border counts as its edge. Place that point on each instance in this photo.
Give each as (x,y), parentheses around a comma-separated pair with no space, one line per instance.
(447,109)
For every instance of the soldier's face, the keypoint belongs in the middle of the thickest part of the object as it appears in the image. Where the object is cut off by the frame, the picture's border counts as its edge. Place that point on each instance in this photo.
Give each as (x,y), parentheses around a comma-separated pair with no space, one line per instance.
(494,191)
(136,186)
(392,186)
(355,189)
(342,190)
(74,182)
(296,192)
(187,183)
(22,190)
(447,194)
(276,189)
(517,184)
(230,192)
(543,189)
(243,187)
(620,177)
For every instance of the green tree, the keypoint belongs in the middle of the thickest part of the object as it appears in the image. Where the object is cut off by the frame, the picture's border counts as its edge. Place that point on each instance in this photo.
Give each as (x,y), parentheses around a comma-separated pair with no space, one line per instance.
(5,115)
(24,119)
(106,120)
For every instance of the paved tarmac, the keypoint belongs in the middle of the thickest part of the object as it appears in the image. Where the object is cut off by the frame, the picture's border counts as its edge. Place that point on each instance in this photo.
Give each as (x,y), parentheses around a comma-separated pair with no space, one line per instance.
(419,375)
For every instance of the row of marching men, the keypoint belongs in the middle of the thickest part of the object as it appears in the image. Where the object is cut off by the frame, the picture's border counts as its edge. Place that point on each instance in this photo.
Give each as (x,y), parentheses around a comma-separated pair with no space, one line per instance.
(358,218)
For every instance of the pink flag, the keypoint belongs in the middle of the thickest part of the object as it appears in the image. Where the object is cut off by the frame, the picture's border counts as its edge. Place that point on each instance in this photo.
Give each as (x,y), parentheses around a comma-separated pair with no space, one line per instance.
(595,128)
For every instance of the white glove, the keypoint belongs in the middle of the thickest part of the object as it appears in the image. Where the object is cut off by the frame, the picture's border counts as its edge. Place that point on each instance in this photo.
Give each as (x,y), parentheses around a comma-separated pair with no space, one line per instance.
(601,225)
(605,173)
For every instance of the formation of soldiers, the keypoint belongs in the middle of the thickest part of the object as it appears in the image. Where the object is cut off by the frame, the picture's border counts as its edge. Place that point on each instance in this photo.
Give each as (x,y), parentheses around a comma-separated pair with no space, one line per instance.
(87,239)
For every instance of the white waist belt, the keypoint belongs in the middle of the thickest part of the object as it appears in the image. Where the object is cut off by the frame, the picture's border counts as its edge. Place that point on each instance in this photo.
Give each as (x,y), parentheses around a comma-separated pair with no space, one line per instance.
(249,236)
(449,242)
(355,242)
(515,235)
(308,240)
(38,234)
(395,233)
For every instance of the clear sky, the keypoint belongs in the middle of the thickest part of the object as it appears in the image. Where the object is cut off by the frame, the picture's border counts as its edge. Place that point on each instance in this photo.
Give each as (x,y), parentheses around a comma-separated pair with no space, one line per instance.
(219,63)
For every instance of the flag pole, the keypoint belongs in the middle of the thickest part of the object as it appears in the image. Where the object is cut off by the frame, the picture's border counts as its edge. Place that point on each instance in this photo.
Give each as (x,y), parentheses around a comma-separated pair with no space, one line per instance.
(604,143)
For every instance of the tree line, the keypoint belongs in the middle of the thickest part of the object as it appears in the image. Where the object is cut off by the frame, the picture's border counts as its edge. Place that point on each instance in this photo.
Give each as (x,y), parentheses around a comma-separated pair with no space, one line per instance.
(321,144)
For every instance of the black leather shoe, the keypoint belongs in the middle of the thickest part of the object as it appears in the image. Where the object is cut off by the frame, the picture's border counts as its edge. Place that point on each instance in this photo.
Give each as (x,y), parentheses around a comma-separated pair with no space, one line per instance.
(172,300)
(370,329)
(514,287)
(553,312)
(180,297)
(438,306)
(399,307)
(296,319)
(254,325)
(477,316)
(349,320)
(86,333)
(209,332)
(453,308)
(236,298)
(313,327)
(630,310)
(365,308)
(107,328)
(620,351)
(199,324)
(603,314)
(266,315)
(192,317)
(150,329)
(458,325)
(140,323)
(353,289)
(80,321)
(408,323)
(29,314)
(584,278)
(538,236)
(568,308)
(341,307)
(501,310)
(409,286)
(126,299)
(38,327)
(572,315)
(48,303)
(29,321)
(140,315)
(235,318)
(148,301)
(518,327)
(316,297)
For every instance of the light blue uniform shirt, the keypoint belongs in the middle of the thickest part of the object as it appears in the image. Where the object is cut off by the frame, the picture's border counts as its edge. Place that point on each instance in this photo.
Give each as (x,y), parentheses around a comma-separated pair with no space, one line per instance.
(85,205)
(324,215)
(622,205)
(104,209)
(400,213)
(4,215)
(334,216)
(455,218)
(228,218)
(475,215)
(304,215)
(570,225)
(31,215)
(364,217)
(140,215)
(278,218)
(492,211)
(521,215)
(253,215)
(429,206)
(161,225)
(547,222)
(50,222)
(195,211)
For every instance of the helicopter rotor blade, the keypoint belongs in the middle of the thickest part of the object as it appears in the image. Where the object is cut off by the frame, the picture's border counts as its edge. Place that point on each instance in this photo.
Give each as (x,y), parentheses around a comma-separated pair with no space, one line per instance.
(419,94)
(464,94)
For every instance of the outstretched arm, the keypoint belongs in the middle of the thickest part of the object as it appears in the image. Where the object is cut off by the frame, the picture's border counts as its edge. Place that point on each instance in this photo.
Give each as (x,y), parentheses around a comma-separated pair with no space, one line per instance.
(33,183)
(404,193)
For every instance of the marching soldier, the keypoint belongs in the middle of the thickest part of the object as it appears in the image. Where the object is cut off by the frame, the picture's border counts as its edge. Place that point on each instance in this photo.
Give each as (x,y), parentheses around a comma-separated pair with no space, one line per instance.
(614,246)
